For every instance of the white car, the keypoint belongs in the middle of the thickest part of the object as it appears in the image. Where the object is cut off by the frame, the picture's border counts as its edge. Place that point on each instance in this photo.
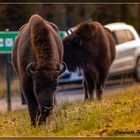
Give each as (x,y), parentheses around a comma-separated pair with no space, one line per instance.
(127,50)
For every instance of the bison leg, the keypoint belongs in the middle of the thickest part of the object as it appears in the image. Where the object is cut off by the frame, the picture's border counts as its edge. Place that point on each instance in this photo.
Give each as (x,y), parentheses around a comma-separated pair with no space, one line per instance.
(91,89)
(99,90)
(27,90)
(100,84)
(86,90)
(33,107)
(89,86)
(22,98)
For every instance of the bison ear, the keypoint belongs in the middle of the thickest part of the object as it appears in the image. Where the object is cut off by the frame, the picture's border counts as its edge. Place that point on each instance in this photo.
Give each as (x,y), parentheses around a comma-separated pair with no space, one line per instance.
(86,30)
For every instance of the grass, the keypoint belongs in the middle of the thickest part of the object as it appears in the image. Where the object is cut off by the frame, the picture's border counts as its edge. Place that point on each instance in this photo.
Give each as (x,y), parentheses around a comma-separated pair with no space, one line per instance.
(116,115)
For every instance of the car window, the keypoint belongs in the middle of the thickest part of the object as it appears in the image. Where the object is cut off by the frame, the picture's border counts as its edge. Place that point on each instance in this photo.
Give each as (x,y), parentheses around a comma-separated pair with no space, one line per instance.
(114,36)
(122,36)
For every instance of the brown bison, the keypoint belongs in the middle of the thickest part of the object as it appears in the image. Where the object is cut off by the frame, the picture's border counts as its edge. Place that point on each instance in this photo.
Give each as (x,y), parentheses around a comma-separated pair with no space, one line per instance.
(37,58)
(91,48)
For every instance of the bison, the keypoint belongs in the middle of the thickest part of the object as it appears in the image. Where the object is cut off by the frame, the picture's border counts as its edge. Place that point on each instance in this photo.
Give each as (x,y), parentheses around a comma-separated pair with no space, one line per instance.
(90,47)
(38,61)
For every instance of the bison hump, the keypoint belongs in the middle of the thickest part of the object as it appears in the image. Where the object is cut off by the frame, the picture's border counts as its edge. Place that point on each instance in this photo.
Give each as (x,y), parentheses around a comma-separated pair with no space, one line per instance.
(86,30)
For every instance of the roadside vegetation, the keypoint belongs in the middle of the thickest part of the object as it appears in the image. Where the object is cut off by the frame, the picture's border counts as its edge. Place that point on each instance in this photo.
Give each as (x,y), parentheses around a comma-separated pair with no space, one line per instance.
(14,87)
(118,114)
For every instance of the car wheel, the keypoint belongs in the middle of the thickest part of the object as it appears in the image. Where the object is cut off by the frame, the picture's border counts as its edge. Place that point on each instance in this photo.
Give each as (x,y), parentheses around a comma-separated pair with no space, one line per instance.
(137,70)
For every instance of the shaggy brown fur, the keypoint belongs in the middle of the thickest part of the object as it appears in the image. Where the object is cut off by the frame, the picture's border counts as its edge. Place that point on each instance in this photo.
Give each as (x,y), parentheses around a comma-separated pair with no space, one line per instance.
(36,57)
(91,48)
(39,42)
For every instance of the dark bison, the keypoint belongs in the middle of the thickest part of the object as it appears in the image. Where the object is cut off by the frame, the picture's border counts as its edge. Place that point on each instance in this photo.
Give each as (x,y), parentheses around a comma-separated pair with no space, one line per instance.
(91,48)
(37,58)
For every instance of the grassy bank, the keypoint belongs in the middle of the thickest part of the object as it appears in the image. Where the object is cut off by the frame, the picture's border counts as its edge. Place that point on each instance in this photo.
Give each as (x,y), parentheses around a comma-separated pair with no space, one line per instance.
(116,115)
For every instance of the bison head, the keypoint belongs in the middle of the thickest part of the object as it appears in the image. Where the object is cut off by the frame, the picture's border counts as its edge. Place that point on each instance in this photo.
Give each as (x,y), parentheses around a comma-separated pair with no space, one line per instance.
(72,39)
(77,44)
(44,85)
(82,33)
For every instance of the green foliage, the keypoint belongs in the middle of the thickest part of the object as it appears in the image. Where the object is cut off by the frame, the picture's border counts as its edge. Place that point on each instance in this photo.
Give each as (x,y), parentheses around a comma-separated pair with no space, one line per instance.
(116,115)
(68,15)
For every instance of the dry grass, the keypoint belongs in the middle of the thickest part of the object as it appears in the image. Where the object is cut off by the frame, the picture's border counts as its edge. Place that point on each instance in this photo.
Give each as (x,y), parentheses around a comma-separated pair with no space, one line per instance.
(115,115)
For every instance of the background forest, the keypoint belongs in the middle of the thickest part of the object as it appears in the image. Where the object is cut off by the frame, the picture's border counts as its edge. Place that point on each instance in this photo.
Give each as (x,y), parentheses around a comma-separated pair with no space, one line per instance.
(13,16)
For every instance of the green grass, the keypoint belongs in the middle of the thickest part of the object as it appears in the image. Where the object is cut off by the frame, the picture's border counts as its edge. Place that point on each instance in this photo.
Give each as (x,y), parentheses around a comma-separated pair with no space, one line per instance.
(116,115)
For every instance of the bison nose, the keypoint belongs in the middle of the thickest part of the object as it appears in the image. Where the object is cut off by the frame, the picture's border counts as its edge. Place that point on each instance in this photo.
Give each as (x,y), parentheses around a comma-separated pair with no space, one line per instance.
(46,108)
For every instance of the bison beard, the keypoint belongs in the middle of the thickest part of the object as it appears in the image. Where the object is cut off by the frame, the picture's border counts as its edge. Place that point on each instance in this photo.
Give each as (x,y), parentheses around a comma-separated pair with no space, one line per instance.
(91,48)
(37,58)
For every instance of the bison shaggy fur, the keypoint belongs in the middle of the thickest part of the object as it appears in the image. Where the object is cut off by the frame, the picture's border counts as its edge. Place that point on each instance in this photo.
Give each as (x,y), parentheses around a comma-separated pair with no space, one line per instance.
(90,47)
(37,57)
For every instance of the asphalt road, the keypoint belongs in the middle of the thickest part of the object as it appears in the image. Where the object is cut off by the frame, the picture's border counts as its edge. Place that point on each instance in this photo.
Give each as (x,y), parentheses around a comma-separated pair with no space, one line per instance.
(69,93)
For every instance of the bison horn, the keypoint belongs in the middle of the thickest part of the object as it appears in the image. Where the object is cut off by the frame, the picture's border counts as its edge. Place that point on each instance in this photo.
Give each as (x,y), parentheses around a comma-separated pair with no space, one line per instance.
(63,68)
(30,70)
(71,31)
(67,31)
